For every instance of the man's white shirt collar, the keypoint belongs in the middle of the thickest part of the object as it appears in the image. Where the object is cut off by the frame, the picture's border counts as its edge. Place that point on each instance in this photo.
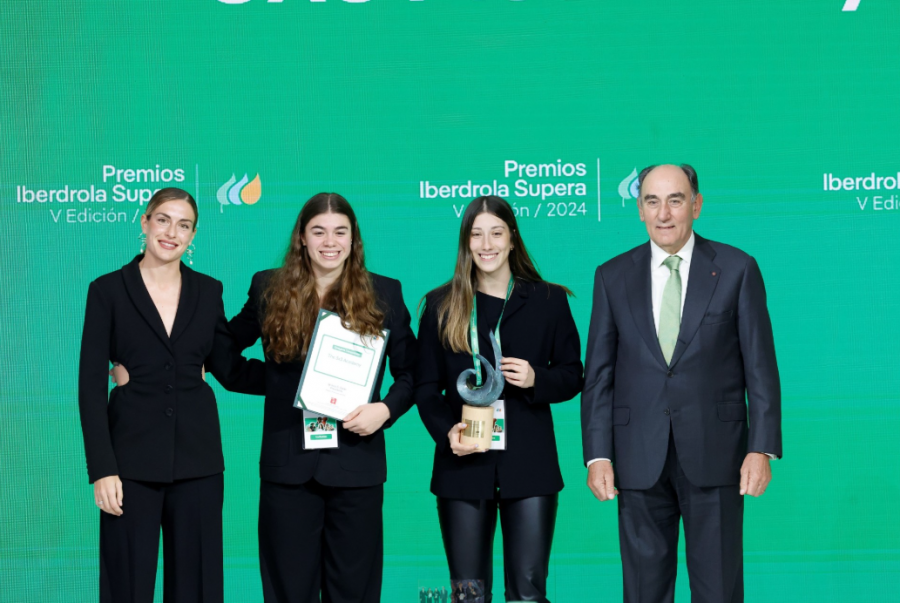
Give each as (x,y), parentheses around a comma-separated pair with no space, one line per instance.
(658,255)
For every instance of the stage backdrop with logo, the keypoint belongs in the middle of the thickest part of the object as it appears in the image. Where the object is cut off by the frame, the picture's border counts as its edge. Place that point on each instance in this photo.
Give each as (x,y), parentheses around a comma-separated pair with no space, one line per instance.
(410,109)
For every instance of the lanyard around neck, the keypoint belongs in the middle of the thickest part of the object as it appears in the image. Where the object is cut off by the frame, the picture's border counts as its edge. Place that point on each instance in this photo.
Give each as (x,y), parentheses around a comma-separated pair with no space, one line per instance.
(473,330)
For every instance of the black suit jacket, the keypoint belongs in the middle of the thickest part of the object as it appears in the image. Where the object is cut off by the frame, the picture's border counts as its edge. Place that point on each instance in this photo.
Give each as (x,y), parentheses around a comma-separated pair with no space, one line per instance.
(163,425)
(359,460)
(723,363)
(536,326)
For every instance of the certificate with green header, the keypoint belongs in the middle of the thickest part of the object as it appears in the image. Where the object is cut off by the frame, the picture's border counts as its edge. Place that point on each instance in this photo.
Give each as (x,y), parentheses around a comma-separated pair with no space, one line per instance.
(341,368)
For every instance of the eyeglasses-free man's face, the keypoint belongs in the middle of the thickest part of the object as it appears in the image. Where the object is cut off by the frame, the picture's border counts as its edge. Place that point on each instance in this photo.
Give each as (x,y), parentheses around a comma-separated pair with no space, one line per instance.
(668,208)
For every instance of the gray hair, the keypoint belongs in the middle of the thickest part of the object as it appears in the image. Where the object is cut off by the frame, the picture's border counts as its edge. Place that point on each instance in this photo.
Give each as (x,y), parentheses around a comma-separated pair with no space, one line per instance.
(689,171)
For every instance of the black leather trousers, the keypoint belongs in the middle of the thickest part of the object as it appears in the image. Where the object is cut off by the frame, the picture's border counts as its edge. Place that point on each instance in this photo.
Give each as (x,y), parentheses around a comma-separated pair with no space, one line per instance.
(527,523)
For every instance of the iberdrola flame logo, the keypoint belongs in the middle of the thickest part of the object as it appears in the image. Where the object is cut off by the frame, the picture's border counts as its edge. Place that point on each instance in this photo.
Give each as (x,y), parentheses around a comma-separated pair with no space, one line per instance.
(628,188)
(239,192)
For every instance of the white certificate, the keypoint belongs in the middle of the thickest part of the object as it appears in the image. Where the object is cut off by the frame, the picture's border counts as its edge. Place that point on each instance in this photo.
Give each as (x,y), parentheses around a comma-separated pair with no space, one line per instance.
(341,368)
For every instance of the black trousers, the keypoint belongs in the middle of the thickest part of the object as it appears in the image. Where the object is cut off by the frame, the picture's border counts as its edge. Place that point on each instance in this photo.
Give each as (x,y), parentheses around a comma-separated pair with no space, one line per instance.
(713,530)
(468,529)
(315,538)
(190,514)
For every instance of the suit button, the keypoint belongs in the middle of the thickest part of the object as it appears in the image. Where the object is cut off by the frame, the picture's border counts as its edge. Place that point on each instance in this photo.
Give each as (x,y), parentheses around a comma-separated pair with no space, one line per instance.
(170,412)
(669,374)
(666,411)
(169,388)
(168,366)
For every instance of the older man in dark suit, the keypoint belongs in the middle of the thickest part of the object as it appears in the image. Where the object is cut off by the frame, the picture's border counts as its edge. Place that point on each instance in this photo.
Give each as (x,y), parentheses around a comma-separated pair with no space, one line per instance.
(682,396)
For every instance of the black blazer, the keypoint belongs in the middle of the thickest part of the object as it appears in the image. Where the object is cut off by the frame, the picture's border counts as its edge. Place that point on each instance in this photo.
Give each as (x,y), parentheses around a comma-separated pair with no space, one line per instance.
(536,326)
(724,358)
(359,460)
(163,425)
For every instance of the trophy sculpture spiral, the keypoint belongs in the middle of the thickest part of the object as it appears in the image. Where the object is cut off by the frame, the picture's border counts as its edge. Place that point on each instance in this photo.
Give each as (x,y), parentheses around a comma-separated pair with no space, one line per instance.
(477,413)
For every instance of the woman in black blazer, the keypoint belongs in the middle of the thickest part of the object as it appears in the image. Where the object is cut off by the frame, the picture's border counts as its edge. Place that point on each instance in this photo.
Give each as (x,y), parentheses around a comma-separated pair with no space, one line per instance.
(541,364)
(320,523)
(154,442)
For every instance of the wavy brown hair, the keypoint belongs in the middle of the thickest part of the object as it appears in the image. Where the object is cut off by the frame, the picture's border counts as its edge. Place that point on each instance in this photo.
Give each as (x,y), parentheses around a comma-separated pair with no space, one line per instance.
(455,308)
(291,301)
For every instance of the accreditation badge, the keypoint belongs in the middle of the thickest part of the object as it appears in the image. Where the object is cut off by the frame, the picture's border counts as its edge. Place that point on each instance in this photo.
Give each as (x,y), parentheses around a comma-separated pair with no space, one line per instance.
(498,437)
(319,431)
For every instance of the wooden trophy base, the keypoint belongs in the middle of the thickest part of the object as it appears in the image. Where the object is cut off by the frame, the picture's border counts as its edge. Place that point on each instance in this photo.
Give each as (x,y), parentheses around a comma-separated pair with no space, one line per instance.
(479,429)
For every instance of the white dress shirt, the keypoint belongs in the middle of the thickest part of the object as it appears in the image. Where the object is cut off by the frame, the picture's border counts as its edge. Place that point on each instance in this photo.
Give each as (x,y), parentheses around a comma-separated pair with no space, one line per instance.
(659,276)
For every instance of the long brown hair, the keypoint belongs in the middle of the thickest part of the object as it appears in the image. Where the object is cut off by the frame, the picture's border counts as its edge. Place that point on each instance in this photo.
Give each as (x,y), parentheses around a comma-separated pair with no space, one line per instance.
(291,300)
(454,310)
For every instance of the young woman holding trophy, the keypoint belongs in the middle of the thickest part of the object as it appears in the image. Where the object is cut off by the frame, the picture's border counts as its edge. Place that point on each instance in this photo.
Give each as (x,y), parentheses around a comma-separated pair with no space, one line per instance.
(496,343)
(320,522)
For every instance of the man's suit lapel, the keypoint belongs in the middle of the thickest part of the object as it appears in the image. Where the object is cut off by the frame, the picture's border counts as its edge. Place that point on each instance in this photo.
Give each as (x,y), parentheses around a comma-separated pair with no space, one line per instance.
(638,288)
(187,302)
(140,297)
(704,276)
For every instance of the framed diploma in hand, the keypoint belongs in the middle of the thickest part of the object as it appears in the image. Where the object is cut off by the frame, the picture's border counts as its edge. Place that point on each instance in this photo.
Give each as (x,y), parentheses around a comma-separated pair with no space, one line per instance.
(341,368)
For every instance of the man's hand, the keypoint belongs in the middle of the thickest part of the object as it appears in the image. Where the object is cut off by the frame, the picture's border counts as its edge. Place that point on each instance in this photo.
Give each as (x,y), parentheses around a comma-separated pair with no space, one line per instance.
(755,474)
(601,480)
(458,448)
(366,419)
(108,494)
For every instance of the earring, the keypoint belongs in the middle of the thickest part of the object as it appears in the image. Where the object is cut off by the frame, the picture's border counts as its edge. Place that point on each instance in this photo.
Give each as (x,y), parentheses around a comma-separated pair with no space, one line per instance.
(190,253)
(143,239)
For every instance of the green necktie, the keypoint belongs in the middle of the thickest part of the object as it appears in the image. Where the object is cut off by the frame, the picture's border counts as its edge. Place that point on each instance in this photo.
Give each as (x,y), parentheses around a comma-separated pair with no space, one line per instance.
(670,310)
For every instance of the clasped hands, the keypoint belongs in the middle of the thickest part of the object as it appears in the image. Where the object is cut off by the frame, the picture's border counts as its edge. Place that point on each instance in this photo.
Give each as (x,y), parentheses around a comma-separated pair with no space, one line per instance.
(756,473)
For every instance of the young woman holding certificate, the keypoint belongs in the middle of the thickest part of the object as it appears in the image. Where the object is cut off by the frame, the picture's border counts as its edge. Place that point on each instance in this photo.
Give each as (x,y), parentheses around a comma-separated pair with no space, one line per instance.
(496,292)
(153,448)
(320,524)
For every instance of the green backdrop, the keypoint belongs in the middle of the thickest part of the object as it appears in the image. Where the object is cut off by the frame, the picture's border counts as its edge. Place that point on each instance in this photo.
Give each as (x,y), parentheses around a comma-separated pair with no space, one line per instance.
(777,104)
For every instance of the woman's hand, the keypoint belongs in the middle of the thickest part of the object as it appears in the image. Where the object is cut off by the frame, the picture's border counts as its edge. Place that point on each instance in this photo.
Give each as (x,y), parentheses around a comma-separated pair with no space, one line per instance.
(458,448)
(108,494)
(366,419)
(119,375)
(518,372)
